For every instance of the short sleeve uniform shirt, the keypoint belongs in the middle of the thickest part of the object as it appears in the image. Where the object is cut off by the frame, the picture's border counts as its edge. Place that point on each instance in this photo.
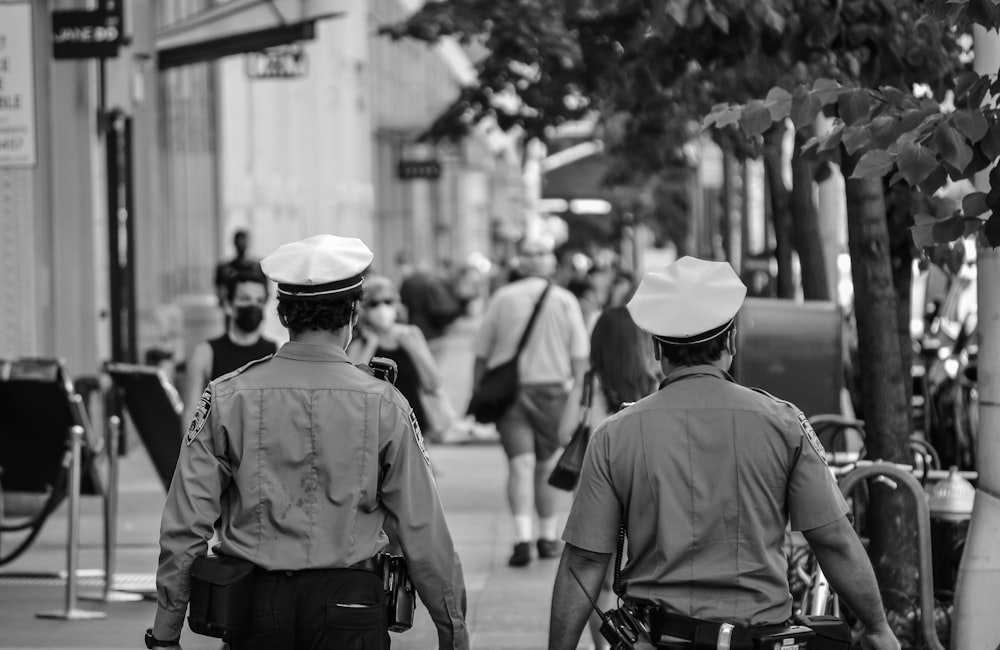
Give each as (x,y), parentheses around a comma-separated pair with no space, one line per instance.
(710,474)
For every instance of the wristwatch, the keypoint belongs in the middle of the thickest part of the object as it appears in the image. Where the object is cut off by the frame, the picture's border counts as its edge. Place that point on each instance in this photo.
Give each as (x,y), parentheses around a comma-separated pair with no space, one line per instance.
(153,642)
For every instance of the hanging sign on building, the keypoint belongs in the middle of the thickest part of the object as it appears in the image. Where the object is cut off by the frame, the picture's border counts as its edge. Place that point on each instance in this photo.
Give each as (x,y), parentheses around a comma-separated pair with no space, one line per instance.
(17,86)
(86,34)
(282,62)
(419,169)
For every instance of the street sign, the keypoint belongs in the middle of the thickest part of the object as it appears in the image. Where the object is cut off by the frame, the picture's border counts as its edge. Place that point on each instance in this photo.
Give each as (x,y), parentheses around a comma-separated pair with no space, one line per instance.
(282,62)
(422,169)
(86,34)
(17,86)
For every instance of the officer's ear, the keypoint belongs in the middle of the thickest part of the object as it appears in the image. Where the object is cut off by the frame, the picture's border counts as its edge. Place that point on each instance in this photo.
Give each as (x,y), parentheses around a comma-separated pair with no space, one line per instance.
(355,313)
(731,341)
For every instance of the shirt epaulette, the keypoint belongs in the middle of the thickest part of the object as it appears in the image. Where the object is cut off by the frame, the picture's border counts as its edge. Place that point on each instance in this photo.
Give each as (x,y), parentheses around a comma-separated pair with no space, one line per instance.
(776,399)
(241,369)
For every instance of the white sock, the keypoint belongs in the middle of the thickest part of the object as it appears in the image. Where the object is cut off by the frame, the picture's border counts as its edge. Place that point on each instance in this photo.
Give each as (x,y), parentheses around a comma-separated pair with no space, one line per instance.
(548,528)
(522,528)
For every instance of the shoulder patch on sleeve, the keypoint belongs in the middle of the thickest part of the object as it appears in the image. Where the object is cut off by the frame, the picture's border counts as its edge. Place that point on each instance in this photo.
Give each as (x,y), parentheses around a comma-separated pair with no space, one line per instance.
(200,416)
(811,436)
(419,436)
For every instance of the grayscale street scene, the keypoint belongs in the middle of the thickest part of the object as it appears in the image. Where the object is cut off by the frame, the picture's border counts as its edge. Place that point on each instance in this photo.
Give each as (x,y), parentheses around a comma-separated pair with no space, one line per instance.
(500,324)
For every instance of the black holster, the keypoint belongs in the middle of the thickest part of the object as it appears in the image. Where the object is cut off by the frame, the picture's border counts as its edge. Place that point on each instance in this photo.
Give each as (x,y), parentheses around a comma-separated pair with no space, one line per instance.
(400,599)
(221,589)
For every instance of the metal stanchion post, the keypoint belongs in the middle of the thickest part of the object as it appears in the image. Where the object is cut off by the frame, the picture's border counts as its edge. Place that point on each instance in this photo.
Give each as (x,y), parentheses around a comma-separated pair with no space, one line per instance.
(70,612)
(109,594)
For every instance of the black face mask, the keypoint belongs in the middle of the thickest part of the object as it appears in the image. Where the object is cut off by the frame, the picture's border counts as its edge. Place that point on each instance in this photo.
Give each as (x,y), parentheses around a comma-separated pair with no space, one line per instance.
(248,317)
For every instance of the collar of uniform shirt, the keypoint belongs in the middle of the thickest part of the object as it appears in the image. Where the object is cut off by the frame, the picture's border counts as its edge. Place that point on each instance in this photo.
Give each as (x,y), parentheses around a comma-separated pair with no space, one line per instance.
(693,371)
(312,352)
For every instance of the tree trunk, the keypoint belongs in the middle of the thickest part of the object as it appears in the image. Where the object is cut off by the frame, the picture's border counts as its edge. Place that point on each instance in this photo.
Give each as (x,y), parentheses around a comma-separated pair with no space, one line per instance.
(978,590)
(805,228)
(781,214)
(901,204)
(891,516)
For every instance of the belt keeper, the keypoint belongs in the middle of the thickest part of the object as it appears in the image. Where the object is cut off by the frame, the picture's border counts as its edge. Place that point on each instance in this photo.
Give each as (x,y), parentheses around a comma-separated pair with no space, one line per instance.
(725,636)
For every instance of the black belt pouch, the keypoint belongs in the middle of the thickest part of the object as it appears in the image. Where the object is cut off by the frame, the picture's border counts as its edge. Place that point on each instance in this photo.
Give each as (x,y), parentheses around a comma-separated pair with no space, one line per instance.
(221,589)
(831,632)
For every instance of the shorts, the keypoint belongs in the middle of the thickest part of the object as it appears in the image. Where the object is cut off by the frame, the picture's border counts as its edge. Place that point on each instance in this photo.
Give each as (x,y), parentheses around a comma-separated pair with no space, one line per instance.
(532,423)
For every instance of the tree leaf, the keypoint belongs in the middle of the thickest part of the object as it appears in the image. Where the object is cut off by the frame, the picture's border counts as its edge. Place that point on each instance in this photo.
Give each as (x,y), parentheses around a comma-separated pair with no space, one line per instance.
(897,97)
(971,123)
(874,164)
(779,102)
(952,147)
(885,129)
(854,105)
(722,115)
(676,9)
(717,16)
(827,90)
(915,163)
(974,204)
(978,92)
(856,137)
(949,229)
(935,181)
(991,143)
(756,118)
(991,230)
(964,82)
(805,107)
(923,230)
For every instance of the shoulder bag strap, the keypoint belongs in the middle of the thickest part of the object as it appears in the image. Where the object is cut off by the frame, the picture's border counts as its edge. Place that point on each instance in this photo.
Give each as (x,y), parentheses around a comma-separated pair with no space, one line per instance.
(531,321)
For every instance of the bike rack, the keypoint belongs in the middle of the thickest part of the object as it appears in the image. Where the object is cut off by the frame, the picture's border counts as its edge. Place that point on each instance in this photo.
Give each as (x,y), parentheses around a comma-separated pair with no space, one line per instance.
(905,476)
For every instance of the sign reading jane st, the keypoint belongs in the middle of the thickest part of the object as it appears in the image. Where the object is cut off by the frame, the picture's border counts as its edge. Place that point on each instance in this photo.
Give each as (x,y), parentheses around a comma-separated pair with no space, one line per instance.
(86,34)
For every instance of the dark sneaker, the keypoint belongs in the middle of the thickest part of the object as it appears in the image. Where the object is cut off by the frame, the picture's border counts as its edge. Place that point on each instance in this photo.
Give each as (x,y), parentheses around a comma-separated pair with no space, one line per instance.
(522,554)
(549,548)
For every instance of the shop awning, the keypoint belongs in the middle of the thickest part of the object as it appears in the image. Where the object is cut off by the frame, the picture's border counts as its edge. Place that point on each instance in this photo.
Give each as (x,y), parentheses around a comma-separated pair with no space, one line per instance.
(240,26)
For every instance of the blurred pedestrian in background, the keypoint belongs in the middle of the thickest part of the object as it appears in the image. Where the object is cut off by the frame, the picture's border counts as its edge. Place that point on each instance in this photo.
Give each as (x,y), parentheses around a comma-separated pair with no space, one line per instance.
(621,289)
(429,300)
(243,303)
(241,264)
(586,294)
(381,335)
(623,370)
(554,358)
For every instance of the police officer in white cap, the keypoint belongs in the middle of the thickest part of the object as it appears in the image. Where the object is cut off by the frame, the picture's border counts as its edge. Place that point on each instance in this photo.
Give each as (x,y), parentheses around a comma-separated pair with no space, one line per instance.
(703,476)
(304,460)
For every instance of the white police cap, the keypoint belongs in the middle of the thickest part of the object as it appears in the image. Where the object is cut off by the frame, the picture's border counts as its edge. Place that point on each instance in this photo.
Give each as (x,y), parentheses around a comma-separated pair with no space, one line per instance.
(690,301)
(318,267)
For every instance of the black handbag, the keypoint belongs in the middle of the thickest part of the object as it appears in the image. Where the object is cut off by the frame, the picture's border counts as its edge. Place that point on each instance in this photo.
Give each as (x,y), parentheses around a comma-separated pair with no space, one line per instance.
(566,473)
(221,588)
(496,391)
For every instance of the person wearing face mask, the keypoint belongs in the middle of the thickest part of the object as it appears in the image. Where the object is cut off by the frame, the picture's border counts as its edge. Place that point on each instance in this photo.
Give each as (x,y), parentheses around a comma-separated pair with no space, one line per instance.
(379,335)
(246,295)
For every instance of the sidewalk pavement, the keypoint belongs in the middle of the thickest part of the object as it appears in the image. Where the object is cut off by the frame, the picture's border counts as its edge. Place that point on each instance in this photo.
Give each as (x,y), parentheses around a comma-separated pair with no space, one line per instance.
(507,608)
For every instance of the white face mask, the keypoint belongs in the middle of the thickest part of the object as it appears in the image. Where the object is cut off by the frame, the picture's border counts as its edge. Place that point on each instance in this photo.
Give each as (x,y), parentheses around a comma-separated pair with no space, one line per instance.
(382,316)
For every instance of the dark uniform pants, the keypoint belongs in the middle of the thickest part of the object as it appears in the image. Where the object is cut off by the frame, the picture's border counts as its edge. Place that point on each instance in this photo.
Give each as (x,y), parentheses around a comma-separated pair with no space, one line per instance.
(327,609)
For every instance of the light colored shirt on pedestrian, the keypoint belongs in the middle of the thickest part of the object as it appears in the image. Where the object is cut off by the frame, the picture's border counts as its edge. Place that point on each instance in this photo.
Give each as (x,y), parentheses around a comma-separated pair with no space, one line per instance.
(558,337)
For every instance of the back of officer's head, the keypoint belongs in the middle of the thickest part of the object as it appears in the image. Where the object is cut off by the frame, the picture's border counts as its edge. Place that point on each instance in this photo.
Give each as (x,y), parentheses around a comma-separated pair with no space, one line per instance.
(320,282)
(689,308)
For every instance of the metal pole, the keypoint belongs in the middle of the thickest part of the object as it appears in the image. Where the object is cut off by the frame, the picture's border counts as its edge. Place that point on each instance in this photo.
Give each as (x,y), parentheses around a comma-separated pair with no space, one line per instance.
(109,594)
(70,612)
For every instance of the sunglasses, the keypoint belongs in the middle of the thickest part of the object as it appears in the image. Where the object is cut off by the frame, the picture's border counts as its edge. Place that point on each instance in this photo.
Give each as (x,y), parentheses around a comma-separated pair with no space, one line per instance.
(384,301)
